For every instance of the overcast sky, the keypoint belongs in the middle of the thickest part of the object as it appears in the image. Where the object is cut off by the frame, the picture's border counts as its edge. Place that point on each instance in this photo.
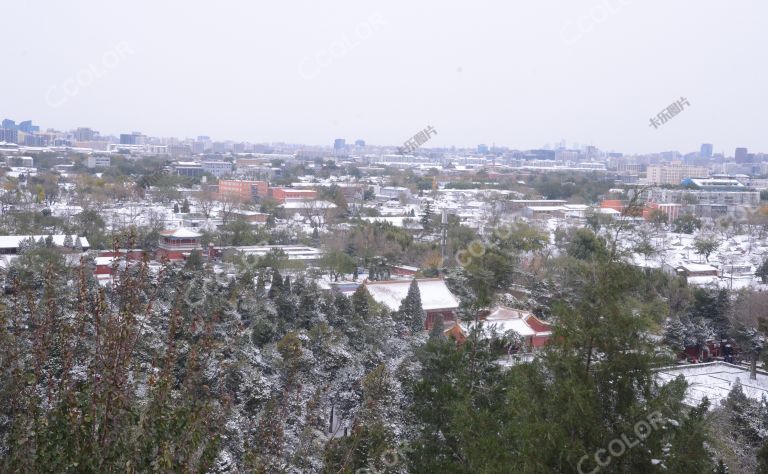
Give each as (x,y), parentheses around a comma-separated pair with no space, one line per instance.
(513,73)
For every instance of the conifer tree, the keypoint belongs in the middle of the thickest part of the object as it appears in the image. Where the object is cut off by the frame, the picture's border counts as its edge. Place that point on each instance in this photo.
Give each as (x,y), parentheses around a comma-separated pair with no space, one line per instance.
(343,309)
(438,329)
(750,340)
(360,303)
(277,284)
(266,454)
(411,310)
(426,217)
(674,334)
(260,285)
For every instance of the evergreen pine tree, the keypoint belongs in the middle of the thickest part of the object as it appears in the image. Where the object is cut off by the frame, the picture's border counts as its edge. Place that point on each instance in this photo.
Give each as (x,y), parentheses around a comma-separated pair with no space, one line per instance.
(175,208)
(260,285)
(185,206)
(277,284)
(268,447)
(438,330)
(426,217)
(750,341)
(762,459)
(360,305)
(343,309)
(68,242)
(194,261)
(674,335)
(411,310)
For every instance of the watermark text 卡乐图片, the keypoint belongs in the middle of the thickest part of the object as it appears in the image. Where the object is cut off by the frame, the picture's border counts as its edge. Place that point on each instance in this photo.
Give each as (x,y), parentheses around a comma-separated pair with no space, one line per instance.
(666,115)
(417,140)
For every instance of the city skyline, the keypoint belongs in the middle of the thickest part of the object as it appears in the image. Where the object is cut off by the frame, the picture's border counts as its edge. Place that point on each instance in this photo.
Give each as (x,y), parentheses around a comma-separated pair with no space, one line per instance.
(587,72)
(354,143)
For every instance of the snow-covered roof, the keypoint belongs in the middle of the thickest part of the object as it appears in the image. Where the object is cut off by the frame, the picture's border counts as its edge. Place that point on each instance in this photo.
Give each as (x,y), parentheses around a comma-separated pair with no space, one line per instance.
(607,210)
(181,233)
(434,293)
(293,252)
(306,204)
(697,267)
(409,222)
(13,241)
(503,319)
(715,380)
(518,326)
(406,267)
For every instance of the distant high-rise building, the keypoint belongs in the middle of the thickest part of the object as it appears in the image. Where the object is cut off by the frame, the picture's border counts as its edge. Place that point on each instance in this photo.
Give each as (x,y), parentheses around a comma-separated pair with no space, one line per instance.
(9,135)
(741,155)
(359,143)
(85,134)
(33,140)
(134,138)
(198,147)
(706,150)
(27,127)
(339,144)
(482,149)
(674,173)
(9,124)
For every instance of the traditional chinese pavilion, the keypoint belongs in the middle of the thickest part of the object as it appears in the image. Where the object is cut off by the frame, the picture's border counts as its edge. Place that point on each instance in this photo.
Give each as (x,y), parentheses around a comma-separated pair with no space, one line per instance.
(178,244)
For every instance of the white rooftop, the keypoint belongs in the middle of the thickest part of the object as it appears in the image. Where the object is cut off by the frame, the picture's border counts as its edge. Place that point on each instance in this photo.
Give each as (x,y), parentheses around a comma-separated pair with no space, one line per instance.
(12,241)
(434,293)
(697,267)
(181,233)
(307,204)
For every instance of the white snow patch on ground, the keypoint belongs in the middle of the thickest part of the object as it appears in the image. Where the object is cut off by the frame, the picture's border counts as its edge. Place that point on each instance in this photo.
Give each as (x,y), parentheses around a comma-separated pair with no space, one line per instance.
(715,380)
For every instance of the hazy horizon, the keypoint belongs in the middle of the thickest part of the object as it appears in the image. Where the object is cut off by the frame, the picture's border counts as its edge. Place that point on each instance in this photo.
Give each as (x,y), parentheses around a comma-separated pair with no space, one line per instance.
(519,75)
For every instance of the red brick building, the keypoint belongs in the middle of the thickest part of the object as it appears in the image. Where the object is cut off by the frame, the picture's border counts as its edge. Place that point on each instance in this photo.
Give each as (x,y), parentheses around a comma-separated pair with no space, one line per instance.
(283,194)
(242,189)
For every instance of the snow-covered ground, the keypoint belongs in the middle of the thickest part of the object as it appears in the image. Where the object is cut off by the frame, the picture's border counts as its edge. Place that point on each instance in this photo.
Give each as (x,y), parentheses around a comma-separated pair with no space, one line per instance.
(715,380)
